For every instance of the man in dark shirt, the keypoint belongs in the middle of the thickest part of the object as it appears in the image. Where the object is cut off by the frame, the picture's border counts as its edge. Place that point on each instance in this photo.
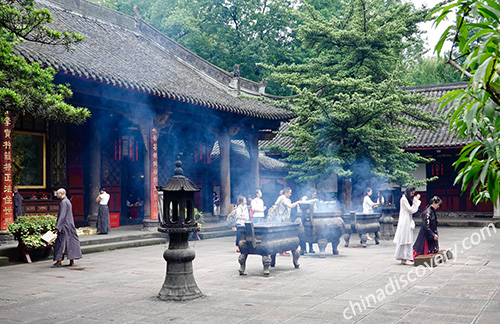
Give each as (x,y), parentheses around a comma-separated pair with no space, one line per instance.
(18,203)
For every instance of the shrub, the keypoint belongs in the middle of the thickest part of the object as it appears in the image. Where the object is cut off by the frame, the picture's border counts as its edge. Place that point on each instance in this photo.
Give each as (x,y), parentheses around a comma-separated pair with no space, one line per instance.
(198,216)
(29,229)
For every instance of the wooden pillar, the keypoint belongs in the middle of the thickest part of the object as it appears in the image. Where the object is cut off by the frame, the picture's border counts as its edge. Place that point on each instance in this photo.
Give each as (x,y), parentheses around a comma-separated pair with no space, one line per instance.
(346,194)
(206,194)
(153,193)
(6,204)
(253,148)
(225,172)
(150,135)
(95,180)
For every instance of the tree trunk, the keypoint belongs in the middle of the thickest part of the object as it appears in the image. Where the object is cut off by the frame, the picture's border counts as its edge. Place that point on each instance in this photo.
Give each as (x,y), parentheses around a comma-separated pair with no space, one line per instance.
(346,194)
(95,176)
(496,210)
(253,150)
(225,173)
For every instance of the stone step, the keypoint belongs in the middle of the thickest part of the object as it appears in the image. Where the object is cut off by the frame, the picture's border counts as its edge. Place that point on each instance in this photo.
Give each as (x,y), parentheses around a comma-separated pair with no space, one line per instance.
(4,261)
(211,219)
(86,240)
(132,237)
(216,227)
(121,245)
(214,234)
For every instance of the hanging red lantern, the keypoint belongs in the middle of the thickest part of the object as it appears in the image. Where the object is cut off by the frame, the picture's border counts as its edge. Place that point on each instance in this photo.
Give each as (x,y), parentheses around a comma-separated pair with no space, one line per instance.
(202,150)
(130,152)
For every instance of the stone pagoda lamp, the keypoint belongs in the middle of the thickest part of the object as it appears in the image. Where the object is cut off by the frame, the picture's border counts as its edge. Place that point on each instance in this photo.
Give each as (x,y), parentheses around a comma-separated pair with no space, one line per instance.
(177,219)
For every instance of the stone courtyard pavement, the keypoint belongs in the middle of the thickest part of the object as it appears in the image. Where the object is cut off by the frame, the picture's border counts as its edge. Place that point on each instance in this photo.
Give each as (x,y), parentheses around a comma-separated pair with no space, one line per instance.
(361,285)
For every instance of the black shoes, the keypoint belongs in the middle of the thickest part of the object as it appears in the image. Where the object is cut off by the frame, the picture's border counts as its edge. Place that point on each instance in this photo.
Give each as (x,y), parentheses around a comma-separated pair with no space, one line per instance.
(58,265)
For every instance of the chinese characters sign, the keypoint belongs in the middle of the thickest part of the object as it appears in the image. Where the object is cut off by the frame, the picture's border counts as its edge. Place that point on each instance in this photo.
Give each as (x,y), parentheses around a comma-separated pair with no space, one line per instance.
(6,212)
(153,151)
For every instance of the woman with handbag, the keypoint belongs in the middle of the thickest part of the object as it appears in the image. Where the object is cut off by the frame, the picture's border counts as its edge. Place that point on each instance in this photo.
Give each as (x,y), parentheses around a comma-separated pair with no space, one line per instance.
(368,205)
(258,208)
(241,217)
(427,239)
(403,238)
(103,224)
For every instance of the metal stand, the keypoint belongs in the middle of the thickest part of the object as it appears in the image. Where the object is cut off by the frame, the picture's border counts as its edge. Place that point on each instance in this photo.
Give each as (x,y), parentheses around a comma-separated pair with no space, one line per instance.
(179,282)
(387,230)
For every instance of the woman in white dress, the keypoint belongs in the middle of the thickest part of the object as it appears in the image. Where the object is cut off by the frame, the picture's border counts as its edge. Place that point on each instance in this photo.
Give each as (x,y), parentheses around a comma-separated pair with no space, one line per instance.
(242,217)
(368,203)
(258,207)
(409,204)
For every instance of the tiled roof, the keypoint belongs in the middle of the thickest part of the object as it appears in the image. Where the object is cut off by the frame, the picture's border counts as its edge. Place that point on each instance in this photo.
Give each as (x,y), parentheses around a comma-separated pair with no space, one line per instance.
(265,163)
(279,140)
(441,137)
(178,183)
(425,139)
(125,52)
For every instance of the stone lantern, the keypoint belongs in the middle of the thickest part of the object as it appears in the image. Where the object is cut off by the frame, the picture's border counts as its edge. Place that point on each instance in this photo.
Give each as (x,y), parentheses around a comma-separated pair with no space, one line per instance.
(177,219)
(388,209)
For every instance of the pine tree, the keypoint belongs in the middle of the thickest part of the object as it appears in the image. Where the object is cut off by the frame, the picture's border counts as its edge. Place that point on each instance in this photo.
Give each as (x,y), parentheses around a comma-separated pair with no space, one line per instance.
(27,88)
(352,112)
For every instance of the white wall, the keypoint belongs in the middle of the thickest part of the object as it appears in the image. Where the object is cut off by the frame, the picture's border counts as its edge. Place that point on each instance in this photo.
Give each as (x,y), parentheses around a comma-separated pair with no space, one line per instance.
(329,184)
(420,174)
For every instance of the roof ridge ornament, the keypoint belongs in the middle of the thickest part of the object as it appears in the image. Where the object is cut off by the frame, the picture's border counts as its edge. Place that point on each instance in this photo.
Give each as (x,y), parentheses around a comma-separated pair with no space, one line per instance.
(235,84)
(178,182)
(236,71)
(178,164)
(137,15)
(262,86)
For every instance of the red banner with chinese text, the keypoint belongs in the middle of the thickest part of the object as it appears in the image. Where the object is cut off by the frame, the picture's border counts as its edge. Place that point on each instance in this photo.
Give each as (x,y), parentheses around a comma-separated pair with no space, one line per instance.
(6,205)
(153,151)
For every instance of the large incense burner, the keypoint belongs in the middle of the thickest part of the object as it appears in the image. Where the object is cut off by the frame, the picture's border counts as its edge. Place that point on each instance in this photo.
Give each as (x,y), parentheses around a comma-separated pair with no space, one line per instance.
(362,224)
(322,224)
(267,240)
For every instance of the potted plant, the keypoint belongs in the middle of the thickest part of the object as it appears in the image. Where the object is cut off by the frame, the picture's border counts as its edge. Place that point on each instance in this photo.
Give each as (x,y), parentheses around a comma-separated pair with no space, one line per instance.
(199,217)
(28,229)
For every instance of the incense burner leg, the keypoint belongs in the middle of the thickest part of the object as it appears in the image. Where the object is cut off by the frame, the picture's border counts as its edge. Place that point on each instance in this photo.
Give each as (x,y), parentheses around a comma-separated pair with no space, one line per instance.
(266,262)
(363,239)
(335,244)
(347,237)
(242,259)
(302,247)
(322,247)
(273,260)
(296,257)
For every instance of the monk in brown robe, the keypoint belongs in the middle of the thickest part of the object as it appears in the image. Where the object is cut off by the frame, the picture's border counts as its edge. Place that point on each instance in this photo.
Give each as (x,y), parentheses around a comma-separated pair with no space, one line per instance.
(67,241)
